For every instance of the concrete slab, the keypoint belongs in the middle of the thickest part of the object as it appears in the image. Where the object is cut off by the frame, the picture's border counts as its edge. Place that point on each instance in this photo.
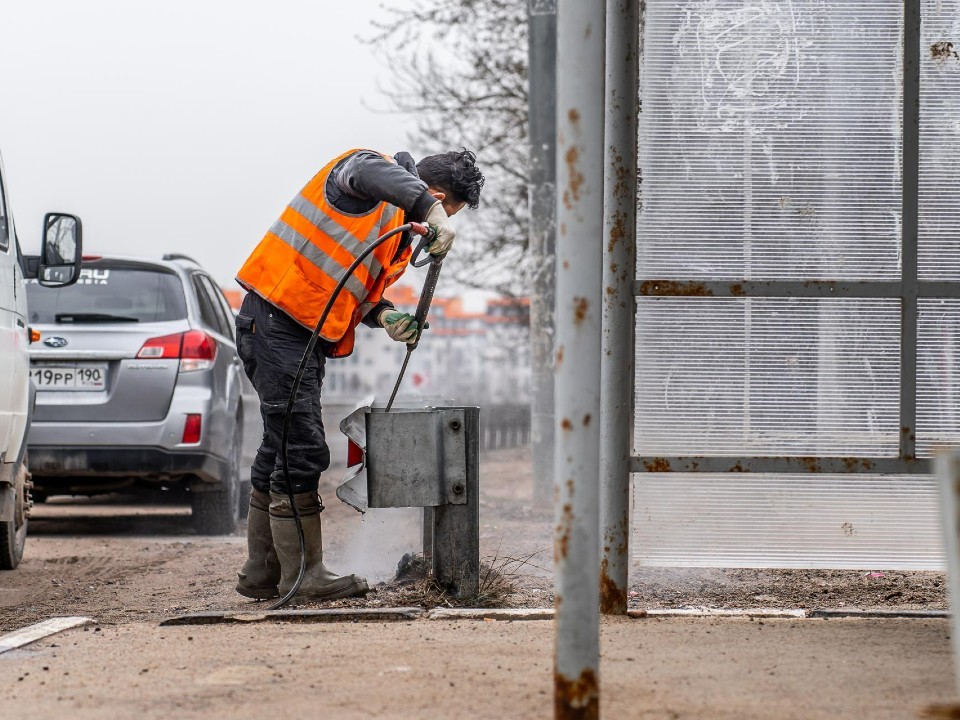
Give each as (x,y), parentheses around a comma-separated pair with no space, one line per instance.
(40,630)
(331,615)
(720,612)
(858,613)
(490,614)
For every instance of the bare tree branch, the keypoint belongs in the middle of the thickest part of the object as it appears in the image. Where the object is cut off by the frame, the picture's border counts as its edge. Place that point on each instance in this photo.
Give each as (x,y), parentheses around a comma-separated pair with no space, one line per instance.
(468,88)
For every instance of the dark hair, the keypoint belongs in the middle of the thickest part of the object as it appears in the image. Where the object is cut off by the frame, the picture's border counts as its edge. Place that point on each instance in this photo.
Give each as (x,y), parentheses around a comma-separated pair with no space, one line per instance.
(456,174)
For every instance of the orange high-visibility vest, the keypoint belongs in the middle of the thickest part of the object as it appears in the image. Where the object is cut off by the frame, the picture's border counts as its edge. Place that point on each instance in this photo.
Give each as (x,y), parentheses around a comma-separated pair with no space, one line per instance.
(305,253)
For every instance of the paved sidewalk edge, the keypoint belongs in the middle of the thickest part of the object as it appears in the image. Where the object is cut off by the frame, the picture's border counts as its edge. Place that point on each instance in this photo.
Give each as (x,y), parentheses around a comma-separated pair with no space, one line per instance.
(491,614)
(519,614)
(303,616)
(719,612)
(815,613)
(40,630)
(877,614)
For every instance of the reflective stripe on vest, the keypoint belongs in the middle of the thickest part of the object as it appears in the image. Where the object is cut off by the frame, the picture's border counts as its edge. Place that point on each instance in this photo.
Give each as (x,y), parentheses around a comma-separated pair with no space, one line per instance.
(323,262)
(307,250)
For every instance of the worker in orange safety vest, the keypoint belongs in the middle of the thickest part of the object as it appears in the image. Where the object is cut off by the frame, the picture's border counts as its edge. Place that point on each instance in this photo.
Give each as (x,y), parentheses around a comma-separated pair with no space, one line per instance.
(289,276)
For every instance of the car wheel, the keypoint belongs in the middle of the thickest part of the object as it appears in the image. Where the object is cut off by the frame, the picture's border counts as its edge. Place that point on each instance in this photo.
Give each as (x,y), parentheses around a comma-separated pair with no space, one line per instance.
(13,533)
(217,512)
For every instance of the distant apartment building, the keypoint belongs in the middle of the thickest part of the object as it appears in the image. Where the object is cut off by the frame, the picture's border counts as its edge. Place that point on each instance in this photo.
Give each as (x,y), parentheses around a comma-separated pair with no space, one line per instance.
(466,357)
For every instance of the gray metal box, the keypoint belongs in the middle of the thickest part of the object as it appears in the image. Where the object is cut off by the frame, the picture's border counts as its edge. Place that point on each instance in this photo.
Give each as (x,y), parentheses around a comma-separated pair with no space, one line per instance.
(417,458)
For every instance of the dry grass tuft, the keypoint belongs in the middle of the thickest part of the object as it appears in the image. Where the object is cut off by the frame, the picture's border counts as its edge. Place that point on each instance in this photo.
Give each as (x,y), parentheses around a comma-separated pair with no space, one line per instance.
(415,584)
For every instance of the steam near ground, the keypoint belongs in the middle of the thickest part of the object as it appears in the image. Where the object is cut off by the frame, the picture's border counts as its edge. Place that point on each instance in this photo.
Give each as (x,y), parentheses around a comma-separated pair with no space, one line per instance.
(374,545)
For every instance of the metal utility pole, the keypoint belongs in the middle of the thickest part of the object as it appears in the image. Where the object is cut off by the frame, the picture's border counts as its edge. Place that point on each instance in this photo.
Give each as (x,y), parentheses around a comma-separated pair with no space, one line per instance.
(948,471)
(580,109)
(619,269)
(542,121)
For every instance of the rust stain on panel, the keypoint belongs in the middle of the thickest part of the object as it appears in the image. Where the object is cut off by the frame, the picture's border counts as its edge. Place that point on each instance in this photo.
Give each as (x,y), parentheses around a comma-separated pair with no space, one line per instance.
(670,287)
(566,424)
(810,464)
(852,464)
(655,465)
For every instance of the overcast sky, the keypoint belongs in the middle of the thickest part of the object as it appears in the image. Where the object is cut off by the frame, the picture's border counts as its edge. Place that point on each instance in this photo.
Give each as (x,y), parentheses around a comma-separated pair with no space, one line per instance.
(183,125)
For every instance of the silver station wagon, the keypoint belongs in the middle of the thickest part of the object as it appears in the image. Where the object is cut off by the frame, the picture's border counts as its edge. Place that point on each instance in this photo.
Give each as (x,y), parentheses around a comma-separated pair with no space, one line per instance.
(139,385)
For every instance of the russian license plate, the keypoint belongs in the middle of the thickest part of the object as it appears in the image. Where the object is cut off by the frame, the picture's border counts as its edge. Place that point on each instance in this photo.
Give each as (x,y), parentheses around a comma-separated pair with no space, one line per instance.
(69,377)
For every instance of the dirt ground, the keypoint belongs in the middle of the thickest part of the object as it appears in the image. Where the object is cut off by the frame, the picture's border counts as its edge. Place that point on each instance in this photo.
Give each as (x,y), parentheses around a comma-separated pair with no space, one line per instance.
(118,559)
(654,669)
(129,564)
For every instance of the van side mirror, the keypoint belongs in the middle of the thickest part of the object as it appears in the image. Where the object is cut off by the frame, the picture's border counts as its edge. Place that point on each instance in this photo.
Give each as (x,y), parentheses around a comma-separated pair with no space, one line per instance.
(61,252)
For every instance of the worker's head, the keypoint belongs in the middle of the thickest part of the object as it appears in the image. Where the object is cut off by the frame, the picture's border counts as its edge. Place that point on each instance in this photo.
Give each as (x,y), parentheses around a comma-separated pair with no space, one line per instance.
(453,178)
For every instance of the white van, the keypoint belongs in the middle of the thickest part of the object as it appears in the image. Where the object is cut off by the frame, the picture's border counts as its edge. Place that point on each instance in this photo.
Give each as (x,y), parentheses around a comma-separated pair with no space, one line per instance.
(57,265)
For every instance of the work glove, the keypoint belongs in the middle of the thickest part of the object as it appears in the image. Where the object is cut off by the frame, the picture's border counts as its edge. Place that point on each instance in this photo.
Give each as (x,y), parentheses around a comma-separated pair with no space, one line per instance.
(437,219)
(400,326)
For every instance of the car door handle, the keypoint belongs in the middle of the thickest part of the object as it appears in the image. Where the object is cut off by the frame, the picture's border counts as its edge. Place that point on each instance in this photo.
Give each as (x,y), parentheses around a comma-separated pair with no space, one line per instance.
(21,323)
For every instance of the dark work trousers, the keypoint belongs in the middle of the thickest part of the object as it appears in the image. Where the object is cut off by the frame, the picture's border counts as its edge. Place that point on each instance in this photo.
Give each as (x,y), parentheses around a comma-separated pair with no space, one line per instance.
(270,344)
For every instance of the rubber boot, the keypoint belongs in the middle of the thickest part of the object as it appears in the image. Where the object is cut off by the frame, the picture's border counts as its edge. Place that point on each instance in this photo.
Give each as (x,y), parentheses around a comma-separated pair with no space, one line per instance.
(318,582)
(261,572)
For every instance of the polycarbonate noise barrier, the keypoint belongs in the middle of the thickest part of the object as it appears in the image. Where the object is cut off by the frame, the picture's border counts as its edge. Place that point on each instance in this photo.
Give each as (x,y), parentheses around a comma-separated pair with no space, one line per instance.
(767,377)
(939,238)
(770,140)
(938,374)
(796,521)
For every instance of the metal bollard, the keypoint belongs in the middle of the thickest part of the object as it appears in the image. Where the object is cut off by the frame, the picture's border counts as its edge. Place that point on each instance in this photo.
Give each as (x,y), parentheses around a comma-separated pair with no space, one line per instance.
(427,458)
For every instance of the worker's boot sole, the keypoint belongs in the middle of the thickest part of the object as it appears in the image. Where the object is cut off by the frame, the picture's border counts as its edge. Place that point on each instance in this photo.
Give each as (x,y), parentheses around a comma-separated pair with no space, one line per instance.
(258,593)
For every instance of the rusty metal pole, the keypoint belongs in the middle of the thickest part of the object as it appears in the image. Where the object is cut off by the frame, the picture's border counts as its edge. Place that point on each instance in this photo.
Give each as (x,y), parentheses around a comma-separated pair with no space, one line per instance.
(542,120)
(948,472)
(580,109)
(619,269)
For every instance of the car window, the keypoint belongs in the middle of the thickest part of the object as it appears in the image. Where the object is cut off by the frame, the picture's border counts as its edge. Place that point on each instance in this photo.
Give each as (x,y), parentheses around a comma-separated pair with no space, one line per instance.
(4,230)
(224,305)
(104,292)
(208,312)
(223,313)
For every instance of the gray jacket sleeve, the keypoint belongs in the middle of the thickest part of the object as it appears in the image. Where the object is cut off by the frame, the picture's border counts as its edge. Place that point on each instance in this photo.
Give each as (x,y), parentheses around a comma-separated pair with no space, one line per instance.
(367,174)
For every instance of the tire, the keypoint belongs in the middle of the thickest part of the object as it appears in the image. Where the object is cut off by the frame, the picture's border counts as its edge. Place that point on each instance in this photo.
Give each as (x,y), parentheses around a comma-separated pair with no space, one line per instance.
(13,534)
(217,512)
